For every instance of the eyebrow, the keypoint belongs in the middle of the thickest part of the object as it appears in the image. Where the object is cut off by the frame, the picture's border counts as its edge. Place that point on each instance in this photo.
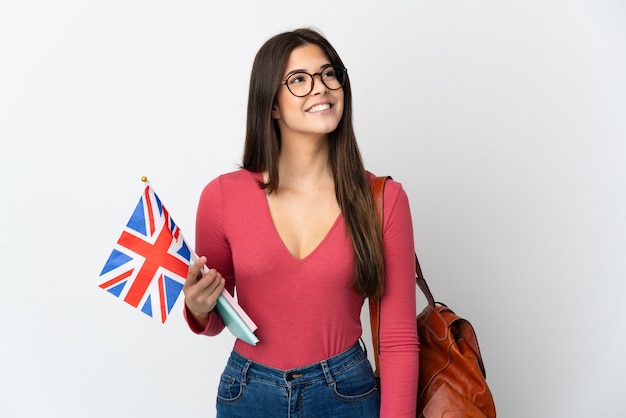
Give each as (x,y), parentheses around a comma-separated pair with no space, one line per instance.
(301,70)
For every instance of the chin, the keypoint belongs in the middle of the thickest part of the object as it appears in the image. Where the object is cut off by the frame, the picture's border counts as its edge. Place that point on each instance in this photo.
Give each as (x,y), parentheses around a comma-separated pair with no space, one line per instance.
(327,128)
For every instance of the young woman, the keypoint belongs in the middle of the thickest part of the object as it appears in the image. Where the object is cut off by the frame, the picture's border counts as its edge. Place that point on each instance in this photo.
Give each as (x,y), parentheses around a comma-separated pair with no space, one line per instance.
(296,231)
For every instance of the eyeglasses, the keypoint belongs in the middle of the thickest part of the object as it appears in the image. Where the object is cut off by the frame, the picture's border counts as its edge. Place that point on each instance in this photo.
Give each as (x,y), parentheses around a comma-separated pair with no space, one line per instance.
(300,83)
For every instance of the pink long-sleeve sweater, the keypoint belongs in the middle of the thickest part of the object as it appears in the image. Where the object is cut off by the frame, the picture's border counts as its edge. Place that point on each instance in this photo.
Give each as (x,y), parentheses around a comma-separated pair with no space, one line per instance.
(305,309)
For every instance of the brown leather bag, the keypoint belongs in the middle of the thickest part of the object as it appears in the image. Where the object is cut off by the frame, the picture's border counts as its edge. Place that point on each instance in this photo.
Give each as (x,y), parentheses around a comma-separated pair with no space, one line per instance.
(452,378)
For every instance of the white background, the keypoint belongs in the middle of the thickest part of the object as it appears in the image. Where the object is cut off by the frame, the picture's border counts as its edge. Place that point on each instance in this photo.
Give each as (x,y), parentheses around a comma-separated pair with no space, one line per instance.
(505,122)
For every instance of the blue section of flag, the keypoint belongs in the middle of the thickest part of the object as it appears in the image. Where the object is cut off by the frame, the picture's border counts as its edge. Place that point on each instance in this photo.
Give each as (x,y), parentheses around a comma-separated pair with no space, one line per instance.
(117,290)
(184,251)
(115,260)
(172,290)
(137,221)
(147,307)
(160,206)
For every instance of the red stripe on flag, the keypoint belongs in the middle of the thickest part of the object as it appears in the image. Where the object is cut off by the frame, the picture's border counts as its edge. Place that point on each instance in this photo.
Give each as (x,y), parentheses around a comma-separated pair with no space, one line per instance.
(162,299)
(156,256)
(117,279)
(150,213)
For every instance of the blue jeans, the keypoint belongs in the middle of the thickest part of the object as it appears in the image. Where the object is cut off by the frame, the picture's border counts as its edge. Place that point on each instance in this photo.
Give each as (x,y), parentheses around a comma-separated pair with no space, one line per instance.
(342,386)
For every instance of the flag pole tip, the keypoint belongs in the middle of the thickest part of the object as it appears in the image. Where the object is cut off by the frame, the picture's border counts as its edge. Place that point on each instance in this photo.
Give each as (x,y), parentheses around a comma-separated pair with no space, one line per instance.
(144,179)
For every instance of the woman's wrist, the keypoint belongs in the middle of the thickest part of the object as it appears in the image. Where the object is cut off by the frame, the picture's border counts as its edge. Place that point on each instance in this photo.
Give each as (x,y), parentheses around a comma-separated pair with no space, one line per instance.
(200,318)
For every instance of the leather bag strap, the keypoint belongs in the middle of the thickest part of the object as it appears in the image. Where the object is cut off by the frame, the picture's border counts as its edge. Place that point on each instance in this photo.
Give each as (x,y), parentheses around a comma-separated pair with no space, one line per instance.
(378,188)
(421,283)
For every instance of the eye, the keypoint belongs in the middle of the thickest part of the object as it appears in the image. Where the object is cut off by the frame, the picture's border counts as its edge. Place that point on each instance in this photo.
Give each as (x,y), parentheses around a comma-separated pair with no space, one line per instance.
(329,73)
(297,78)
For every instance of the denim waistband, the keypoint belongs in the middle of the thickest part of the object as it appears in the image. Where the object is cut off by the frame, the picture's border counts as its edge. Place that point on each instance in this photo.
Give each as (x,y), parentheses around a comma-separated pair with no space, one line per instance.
(324,369)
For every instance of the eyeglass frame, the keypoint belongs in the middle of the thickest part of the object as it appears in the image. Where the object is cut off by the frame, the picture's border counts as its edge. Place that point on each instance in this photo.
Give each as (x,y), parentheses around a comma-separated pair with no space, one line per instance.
(344,72)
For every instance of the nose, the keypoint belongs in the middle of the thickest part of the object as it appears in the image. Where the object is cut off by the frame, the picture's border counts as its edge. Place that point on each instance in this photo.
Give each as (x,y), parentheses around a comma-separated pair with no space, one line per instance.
(318,85)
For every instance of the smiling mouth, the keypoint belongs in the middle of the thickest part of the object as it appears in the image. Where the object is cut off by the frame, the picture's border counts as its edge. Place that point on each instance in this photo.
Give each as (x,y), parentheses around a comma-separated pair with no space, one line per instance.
(319,108)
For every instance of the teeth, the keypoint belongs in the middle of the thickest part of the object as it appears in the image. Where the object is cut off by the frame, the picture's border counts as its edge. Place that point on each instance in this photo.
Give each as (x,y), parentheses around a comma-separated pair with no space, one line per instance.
(319,108)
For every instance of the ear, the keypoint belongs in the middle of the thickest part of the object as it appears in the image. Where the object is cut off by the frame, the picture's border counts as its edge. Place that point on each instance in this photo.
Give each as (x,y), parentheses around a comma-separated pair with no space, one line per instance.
(275,111)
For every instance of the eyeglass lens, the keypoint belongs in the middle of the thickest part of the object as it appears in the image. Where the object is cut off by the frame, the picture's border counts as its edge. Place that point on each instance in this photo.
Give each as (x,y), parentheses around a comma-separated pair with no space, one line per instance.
(301,84)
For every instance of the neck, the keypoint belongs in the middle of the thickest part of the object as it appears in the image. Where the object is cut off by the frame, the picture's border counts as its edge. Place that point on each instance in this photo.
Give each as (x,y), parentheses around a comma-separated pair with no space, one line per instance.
(303,162)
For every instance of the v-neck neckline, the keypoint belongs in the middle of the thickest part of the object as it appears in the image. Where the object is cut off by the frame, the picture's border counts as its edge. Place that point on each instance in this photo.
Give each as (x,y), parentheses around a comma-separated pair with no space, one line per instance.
(289,254)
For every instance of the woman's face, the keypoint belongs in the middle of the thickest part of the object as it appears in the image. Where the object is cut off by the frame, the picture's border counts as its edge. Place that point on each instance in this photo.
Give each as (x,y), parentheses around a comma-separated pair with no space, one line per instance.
(320,111)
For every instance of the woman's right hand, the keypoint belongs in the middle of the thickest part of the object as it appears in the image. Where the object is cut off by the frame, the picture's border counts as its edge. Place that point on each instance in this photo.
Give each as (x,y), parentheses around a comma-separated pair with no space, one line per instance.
(202,290)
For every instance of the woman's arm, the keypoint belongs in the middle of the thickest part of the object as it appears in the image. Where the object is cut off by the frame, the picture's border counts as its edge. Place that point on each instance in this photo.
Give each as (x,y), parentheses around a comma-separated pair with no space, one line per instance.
(212,246)
(399,345)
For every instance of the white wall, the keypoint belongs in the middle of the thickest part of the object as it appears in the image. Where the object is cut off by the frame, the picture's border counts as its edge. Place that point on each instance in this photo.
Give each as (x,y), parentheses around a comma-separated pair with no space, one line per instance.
(505,121)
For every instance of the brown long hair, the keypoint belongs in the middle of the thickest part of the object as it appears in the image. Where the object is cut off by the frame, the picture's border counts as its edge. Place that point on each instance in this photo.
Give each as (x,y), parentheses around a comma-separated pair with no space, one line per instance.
(352,190)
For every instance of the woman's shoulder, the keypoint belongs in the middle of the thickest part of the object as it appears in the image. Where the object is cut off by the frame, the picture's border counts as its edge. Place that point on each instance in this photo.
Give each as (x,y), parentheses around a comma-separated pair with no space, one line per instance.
(392,187)
(239,175)
(234,184)
(396,203)
(237,179)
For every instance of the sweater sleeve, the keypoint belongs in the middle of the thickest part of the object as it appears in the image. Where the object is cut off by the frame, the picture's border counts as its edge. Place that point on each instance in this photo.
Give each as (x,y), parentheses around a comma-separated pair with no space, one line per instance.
(212,243)
(399,345)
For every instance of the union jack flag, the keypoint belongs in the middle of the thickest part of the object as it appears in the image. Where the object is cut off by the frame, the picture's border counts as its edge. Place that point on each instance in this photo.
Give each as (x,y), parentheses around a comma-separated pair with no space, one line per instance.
(149,263)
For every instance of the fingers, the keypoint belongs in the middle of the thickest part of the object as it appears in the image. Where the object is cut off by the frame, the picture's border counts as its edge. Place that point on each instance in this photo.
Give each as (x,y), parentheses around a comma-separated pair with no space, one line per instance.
(209,282)
(194,272)
(202,290)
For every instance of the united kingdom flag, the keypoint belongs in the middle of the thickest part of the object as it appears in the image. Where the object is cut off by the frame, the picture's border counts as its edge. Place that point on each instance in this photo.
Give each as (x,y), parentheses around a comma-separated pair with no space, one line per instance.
(149,263)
